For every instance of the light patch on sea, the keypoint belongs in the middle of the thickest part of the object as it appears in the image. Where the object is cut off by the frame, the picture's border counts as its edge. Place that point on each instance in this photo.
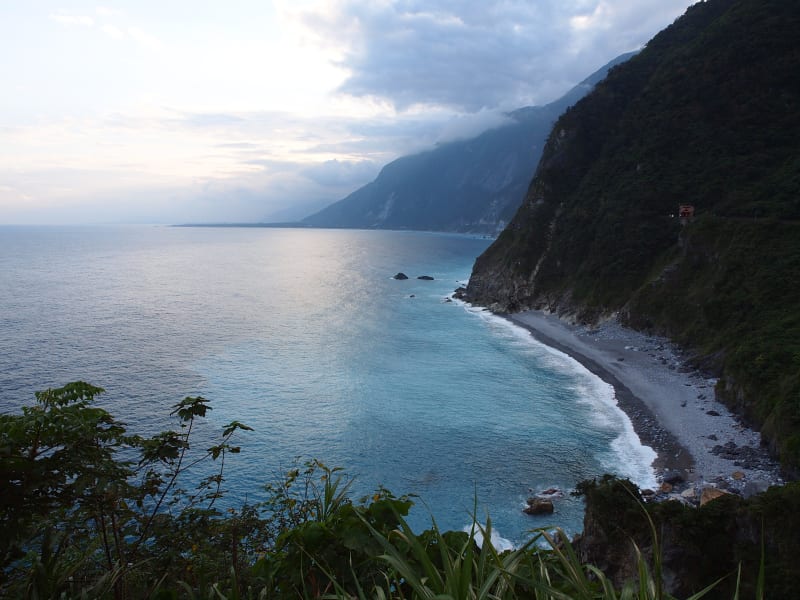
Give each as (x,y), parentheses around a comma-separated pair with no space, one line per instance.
(304,336)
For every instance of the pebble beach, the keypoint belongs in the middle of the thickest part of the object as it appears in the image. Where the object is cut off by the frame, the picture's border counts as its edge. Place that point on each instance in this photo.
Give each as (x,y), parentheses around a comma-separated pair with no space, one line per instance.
(699,442)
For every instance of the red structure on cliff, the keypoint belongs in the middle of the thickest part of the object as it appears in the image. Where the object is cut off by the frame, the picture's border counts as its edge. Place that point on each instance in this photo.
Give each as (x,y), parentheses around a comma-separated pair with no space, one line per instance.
(686,213)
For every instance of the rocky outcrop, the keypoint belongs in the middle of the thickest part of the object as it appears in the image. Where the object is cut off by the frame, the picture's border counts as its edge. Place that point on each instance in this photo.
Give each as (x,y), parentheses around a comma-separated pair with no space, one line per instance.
(539,506)
(709,494)
(704,534)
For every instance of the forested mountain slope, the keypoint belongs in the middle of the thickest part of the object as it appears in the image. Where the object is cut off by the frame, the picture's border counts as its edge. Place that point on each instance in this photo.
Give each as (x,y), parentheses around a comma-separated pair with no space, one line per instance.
(473,185)
(708,114)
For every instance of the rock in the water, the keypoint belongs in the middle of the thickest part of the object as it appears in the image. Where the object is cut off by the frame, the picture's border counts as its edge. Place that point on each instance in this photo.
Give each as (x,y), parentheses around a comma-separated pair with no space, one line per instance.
(460,293)
(710,494)
(425,277)
(665,488)
(538,506)
(688,493)
(400,275)
(738,475)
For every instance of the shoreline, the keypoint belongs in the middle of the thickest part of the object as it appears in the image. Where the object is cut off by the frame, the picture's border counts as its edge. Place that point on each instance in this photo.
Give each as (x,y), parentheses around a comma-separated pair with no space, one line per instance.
(672,408)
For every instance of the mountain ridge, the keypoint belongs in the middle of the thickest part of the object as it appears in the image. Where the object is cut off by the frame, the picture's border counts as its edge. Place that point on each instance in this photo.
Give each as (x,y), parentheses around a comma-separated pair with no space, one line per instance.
(472,185)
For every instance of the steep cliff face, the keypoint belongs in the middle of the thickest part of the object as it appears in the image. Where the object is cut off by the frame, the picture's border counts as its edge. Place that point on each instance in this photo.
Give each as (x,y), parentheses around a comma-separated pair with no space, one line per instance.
(473,185)
(708,114)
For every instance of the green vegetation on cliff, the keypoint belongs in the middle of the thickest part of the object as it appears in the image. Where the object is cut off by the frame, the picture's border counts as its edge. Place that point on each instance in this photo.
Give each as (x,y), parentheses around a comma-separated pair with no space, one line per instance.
(470,185)
(708,114)
(695,546)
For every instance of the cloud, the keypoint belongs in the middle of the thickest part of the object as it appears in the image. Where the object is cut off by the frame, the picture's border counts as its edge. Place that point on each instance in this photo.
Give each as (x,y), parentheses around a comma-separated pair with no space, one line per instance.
(466,126)
(212,119)
(474,55)
(185,166)
(342,172)
(220,119)
(79,20)
(144,39)
(113,31)
(134,33)
(105,11)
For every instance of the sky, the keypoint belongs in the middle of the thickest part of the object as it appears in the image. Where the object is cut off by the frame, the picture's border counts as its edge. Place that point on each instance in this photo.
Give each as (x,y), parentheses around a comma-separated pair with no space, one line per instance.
(175,111)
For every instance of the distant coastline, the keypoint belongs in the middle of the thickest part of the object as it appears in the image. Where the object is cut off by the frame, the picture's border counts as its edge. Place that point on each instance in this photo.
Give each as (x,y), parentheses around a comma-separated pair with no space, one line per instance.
(287,225)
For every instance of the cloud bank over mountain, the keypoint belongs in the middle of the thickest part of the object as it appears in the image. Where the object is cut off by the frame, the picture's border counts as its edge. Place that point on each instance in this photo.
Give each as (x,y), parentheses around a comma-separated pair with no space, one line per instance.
(236,111)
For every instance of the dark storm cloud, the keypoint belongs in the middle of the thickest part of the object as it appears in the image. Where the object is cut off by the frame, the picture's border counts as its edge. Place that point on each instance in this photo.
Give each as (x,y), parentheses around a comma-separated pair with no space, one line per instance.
(470,55)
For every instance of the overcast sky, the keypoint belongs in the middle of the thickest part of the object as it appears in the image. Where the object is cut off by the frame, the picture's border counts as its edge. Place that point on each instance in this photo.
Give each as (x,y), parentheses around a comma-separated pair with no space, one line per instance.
(248,110)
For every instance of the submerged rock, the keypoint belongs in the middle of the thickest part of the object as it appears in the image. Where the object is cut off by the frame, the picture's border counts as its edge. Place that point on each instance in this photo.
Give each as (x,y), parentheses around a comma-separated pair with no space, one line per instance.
(425,277)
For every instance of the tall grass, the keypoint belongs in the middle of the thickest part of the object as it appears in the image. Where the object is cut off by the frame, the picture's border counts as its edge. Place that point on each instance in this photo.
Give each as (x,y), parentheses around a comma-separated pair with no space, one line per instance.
(447,567)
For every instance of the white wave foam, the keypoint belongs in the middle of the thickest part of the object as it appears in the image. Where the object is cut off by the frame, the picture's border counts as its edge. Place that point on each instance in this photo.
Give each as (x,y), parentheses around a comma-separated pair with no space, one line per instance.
(633,459)
(629,456)
(499,543)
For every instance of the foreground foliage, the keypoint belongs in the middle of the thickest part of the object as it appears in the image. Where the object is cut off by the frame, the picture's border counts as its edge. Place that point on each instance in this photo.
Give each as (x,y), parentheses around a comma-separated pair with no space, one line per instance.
(91,511)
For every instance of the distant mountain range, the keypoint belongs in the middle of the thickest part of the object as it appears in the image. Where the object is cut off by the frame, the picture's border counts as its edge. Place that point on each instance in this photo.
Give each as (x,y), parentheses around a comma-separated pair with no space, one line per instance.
(473,185)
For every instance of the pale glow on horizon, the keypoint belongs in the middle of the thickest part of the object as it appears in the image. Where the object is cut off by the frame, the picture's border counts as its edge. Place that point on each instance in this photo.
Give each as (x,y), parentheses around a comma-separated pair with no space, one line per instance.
(233,111)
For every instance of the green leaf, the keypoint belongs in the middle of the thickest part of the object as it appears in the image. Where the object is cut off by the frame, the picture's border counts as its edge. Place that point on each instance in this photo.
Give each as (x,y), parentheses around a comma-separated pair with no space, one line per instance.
(191,407)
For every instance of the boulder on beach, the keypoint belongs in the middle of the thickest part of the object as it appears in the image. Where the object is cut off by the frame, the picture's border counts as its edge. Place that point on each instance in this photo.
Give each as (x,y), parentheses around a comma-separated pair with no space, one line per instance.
(400,276)
(673,477)
(708,494)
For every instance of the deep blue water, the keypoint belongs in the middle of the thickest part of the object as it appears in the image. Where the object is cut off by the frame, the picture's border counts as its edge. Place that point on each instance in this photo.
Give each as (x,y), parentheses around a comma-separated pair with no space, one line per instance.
(303,335)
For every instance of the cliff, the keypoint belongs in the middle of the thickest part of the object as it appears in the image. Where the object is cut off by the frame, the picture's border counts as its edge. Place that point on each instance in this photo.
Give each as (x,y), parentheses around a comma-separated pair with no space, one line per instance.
(708,114)
(474,185)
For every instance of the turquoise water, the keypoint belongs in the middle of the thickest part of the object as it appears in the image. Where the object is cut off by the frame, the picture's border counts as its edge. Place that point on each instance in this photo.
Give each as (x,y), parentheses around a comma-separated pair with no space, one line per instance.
(304,335)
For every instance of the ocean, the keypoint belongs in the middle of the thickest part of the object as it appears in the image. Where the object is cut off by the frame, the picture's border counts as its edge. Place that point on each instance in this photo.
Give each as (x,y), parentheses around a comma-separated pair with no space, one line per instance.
(305,336)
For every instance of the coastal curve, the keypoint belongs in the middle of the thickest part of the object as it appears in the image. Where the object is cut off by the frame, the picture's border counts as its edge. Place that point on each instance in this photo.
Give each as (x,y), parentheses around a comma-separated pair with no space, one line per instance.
(672,408)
